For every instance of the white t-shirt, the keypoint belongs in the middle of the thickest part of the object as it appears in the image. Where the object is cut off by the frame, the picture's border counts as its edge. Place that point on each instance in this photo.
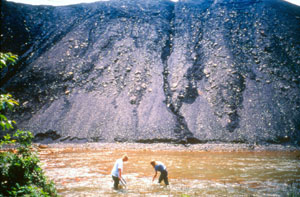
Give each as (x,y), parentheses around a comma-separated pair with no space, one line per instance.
(118,165)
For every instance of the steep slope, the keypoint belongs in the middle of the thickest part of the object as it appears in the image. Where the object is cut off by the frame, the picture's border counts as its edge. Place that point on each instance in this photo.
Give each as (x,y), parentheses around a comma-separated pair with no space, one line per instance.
(147,71)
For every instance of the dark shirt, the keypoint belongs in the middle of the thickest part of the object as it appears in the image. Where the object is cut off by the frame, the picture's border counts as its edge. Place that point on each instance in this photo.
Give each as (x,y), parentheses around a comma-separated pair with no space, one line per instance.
(160,166)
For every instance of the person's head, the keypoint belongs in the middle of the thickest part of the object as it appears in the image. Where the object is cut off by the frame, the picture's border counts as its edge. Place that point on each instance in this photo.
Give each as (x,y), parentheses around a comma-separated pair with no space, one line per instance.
(125,158)
(153,163)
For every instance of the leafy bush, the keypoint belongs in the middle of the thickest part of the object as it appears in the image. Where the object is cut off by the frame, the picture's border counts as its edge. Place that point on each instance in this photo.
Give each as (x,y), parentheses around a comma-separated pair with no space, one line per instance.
(6,100)
(6,59)
(20,173)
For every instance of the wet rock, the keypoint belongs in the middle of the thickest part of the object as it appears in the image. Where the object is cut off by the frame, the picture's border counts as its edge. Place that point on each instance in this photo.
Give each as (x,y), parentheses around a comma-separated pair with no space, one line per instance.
(156,71)
(47,136)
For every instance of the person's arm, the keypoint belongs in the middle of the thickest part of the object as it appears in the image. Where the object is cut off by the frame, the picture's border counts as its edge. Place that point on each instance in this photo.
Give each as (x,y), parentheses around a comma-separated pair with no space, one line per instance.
(154,175)
(120,175)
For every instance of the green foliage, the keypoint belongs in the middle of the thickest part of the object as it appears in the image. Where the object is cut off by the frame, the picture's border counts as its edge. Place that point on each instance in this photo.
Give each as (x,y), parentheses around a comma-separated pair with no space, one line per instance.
(26,190)
(6,100)
(7,58)
(293,190)
(20,173)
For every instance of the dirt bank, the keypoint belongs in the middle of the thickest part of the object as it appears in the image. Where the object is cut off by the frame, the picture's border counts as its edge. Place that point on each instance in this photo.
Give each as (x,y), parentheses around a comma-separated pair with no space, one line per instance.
(174,147)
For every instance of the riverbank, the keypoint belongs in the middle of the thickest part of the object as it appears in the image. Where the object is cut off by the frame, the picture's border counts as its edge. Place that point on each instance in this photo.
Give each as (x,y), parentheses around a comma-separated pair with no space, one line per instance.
(222,147)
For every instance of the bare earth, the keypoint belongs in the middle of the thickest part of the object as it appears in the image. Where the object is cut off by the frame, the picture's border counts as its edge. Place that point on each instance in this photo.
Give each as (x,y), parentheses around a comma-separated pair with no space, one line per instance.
(175,147)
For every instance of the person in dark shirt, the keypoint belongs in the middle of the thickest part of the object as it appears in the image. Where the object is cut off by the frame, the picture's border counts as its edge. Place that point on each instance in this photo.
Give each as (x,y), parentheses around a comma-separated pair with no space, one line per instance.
(159,166)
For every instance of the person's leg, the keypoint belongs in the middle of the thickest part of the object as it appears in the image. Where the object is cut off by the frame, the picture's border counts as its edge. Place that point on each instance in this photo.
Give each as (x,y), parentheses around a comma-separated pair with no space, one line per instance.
(166,178)
(160,178)
(116,182)
(163,176)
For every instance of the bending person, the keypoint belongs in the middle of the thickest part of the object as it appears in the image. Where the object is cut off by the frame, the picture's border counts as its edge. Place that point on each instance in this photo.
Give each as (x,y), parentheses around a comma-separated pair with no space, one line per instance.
(159,166)
(118,170)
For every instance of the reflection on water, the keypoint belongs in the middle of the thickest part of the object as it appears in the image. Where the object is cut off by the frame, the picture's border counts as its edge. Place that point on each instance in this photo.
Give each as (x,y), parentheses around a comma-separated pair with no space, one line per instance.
(86,172)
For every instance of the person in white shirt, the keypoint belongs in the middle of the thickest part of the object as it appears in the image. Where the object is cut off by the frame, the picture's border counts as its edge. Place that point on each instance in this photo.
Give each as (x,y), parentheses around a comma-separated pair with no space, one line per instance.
(118,170)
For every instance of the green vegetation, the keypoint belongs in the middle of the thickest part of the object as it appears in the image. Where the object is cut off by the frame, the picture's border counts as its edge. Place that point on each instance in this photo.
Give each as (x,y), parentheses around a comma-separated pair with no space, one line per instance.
(6,100)
(20,173)
(293,190)
(7,59)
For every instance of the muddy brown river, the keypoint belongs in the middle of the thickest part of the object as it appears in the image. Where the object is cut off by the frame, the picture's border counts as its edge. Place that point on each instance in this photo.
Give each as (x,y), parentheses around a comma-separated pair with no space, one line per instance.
(79,170)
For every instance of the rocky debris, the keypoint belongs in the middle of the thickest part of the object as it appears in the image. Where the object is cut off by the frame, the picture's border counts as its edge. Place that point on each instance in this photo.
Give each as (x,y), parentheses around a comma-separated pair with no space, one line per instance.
(211,147)
(156,71)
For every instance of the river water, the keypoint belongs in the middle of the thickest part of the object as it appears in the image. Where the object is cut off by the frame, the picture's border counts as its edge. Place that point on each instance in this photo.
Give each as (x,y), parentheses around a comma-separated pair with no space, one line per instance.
(85,171)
